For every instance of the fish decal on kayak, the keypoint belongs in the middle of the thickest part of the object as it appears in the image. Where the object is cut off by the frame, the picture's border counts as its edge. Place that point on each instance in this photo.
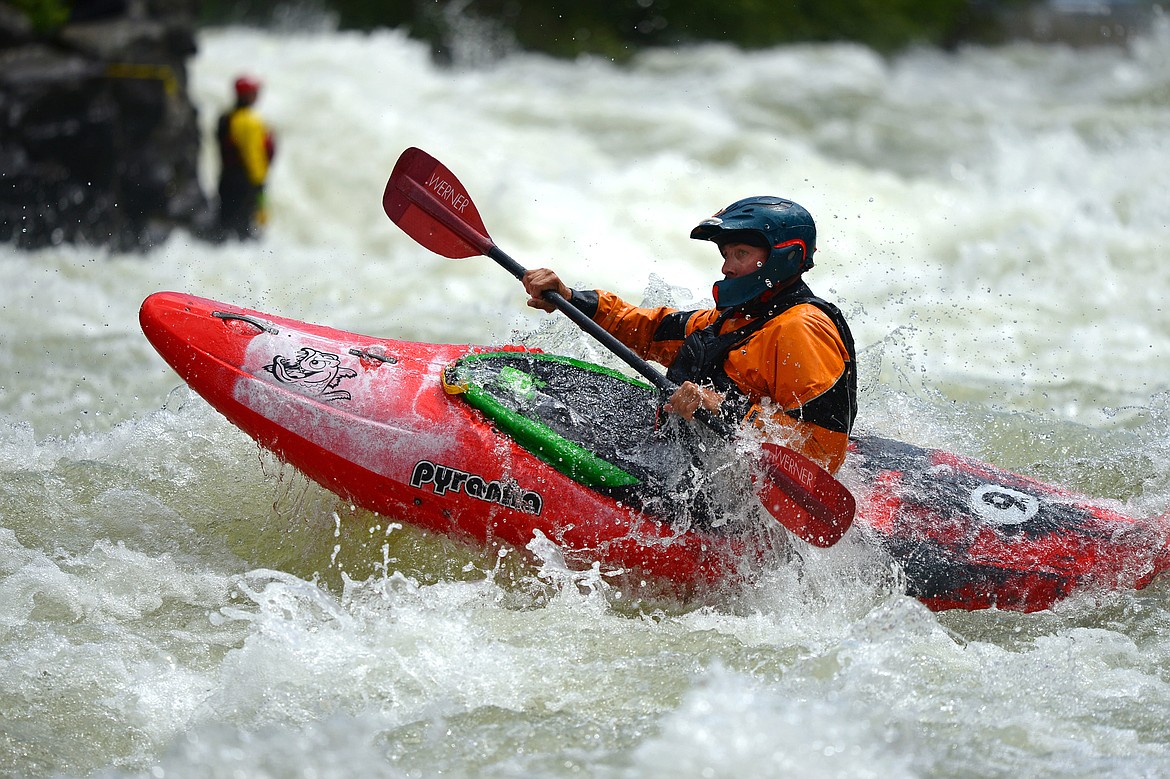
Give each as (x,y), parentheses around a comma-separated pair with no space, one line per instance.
(320,373)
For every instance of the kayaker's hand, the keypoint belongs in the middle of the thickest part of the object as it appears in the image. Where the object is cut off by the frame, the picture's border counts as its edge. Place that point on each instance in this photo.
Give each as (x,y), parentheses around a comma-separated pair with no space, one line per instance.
(537,281)
(689,397)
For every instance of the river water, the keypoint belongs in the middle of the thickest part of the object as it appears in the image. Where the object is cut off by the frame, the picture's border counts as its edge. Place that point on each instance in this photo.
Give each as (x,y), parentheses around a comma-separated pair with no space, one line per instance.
(994,222)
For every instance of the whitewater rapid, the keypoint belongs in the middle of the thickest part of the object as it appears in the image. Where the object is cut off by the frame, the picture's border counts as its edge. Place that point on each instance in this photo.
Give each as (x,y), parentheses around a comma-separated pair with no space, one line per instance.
(994,223)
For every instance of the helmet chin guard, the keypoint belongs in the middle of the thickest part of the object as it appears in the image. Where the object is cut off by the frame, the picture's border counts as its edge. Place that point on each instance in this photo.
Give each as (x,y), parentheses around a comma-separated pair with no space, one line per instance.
(780,266)
(782,225)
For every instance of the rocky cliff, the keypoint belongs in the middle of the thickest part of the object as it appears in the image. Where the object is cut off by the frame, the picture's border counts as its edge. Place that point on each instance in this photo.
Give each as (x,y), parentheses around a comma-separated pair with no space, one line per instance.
(98,138)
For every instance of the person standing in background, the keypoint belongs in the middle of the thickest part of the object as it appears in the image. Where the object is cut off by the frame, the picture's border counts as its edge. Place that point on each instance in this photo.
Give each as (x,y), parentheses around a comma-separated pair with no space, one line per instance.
(246,149)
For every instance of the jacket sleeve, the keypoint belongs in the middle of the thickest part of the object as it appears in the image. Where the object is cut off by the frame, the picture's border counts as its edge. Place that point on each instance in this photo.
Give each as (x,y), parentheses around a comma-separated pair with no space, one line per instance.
(653,333)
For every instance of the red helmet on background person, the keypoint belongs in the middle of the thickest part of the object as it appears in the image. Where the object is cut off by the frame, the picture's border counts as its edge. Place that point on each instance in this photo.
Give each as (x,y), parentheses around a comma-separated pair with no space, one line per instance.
(247,88)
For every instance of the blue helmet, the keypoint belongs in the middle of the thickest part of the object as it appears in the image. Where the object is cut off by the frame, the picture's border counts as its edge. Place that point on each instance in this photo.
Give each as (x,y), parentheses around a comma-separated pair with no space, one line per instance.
(783,227)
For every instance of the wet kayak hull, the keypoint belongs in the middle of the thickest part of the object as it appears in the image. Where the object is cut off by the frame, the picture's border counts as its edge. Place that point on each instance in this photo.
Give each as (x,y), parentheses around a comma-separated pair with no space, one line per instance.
(368,419)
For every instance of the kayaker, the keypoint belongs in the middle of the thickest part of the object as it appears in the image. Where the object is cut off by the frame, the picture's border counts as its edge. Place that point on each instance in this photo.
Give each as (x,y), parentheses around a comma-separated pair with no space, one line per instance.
(245,149)
(770,353)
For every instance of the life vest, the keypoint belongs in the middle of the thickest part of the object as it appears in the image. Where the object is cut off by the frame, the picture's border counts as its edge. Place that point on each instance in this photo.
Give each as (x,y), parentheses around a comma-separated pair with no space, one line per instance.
(246,146)
(703,355)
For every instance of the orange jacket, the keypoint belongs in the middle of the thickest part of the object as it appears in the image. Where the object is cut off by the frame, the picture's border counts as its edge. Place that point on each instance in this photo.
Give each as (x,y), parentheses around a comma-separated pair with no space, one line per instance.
(795,358)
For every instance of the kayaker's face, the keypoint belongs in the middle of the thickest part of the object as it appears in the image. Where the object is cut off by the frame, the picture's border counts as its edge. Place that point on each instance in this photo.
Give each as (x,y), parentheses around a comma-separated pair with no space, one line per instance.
(742,259)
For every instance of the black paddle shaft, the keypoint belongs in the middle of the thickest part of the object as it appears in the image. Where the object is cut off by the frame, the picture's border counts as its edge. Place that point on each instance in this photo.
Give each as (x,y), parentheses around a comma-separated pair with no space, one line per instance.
(627,355)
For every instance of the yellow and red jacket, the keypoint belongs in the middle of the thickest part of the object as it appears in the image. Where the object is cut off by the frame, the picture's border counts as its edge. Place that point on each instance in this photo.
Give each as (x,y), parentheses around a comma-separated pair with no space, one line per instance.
(799,358)
(246,143)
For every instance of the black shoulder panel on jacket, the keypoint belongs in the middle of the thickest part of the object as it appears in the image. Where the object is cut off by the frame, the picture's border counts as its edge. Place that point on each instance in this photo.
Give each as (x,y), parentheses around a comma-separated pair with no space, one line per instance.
(673,327)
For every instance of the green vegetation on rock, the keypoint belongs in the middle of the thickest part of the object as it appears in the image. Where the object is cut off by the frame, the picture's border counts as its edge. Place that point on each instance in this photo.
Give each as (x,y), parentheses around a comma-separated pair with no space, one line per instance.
(45,15)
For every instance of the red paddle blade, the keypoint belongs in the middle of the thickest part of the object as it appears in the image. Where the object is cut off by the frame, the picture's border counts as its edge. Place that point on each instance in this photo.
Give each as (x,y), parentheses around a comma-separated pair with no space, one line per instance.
(804,497)
(432,207)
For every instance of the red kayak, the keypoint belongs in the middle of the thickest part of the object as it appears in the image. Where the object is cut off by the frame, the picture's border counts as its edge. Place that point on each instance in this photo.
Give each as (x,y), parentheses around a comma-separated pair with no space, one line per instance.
(392,426)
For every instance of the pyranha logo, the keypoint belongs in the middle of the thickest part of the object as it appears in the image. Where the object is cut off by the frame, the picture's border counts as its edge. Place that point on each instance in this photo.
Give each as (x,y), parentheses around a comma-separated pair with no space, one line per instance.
(445,478)
(318,372)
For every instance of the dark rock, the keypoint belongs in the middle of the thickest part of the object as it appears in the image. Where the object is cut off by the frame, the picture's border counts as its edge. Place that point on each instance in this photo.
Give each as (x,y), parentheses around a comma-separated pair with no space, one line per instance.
(99,140)
(15,27)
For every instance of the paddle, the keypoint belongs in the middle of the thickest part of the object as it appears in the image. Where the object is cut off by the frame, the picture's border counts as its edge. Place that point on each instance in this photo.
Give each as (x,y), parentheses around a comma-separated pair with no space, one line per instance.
(425,199)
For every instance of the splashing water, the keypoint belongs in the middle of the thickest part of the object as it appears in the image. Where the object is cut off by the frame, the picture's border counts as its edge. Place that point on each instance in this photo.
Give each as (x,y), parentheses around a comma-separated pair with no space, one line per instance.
(993,222)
